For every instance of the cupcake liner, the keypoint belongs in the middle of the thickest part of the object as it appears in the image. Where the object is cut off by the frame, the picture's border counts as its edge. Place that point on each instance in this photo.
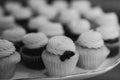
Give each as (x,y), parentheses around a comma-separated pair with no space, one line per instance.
(114,49)
(7,71)
(8,66)
(57,68)
(69,33)
(91,58)
(23,23)
(18,45)
(32,62)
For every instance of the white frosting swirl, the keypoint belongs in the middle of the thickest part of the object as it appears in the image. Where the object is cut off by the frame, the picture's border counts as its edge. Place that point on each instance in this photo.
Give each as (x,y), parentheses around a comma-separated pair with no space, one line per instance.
(60,5)
(37,22)
(52,29)
(12,6)
(82,6)
(22,13)
(68,15)
(59,44)
(108,19)
(6,48)
(35,40)
(14,34)
(79,26)
(109,31)
(90,39)
(7,22)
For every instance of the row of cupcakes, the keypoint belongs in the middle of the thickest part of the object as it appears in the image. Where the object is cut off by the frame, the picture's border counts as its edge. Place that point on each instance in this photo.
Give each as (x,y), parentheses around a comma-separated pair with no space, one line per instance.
(59,54)
(110,32)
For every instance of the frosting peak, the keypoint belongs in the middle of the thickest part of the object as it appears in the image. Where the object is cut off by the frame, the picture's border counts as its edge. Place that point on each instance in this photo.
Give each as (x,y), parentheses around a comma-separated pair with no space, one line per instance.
(90,39)
(59,44)
(35,40)
(109,31)
(6,48)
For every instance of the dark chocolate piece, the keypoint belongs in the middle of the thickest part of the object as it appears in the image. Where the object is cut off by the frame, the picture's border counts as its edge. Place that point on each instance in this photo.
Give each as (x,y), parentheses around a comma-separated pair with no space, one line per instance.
(112,41)
(66,55)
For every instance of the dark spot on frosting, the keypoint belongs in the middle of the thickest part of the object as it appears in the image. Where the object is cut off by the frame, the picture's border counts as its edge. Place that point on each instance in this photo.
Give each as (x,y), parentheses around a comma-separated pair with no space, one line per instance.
(66,55)
(112,41)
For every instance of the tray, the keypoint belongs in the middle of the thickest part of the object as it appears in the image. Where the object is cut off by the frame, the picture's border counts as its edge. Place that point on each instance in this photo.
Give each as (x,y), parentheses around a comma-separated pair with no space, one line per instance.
(23,73)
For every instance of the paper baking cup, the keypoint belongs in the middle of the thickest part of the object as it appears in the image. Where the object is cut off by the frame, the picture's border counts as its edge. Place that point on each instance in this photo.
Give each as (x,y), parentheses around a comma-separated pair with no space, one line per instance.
(91,58)
(57,68)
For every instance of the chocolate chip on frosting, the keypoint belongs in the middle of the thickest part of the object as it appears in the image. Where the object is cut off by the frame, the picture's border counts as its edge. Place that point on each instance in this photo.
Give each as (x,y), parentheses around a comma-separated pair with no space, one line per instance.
(66,55)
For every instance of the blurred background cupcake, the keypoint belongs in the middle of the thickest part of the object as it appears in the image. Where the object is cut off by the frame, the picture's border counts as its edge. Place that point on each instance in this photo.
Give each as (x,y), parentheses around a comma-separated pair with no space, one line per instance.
(60,57)
(82,6)
(91,49)
(6,22)
(36,22)
(34,44)
(60,5)
(111,34)
(9,58)
(76,28)
(14,35)
(22,17)
(52,29)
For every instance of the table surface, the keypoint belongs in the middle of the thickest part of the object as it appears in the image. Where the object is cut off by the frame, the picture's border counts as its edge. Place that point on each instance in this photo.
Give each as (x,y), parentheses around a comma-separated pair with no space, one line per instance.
(113,74)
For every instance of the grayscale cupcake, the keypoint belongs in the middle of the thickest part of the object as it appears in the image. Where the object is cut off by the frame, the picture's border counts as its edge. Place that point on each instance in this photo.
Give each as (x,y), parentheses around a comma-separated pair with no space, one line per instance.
(52,29)
(6,22)
(9,59)
(34,44)
(91,49)
(60,57)
(111,34)
(14,35)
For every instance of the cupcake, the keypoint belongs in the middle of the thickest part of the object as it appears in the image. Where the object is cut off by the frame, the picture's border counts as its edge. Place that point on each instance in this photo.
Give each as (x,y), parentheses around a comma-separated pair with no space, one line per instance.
(60,5)
(9,58)
(37,22)
(6,22)
(60,57)
(22,17)
(1,11)
(68,15)
(49,12)
(12,6)
(107,19)
(82,6)
(111,34)
(75,28)
(94,13)
(14,35)
(91,49)
(36,5)
(52,29)
(34,44)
